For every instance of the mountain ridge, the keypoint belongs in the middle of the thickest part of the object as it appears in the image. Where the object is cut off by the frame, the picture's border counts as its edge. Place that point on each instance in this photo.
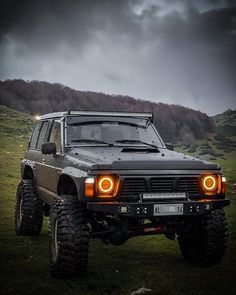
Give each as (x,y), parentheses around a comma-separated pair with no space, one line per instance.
(174,122)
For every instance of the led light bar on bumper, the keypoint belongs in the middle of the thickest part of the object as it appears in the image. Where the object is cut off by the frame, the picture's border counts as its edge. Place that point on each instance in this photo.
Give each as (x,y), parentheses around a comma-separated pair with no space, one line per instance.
(103,186)
(212,184)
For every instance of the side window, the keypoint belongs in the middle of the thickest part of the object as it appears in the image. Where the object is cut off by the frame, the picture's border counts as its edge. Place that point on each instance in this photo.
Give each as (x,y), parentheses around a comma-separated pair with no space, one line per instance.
(35,134)
(42,134)
(56,135)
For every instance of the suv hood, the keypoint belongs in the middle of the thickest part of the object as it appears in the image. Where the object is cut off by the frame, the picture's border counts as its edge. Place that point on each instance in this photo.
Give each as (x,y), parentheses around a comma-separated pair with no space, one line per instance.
(114,158)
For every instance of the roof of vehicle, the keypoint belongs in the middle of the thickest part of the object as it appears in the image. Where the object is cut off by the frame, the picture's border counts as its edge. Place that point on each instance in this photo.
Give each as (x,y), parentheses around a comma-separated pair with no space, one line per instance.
(95,113)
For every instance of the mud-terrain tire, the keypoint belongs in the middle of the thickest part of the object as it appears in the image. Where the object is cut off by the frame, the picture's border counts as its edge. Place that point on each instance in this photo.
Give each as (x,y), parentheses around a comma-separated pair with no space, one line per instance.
(28,210)
(203,242)
(69,237)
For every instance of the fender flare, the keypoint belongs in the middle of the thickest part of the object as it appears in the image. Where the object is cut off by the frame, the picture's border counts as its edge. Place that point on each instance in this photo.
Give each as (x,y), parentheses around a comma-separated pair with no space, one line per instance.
(28,163)
(77,177)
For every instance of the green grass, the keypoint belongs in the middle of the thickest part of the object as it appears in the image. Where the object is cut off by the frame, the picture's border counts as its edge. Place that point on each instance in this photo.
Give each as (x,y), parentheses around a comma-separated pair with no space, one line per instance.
(151,262)
(226,123)
(217,145)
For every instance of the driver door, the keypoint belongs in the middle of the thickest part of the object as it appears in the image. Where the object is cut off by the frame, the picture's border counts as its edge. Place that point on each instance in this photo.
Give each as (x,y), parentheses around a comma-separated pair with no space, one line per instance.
(51,164)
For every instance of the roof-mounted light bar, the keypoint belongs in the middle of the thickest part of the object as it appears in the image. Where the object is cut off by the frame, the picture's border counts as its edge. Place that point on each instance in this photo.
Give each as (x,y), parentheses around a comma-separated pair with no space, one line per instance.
(95,113)
(115,114)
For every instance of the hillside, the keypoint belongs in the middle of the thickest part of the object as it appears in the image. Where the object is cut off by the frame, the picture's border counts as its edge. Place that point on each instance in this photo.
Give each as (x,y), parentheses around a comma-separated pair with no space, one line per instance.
(220,146)
(174,122)
(14,123)
(226,123)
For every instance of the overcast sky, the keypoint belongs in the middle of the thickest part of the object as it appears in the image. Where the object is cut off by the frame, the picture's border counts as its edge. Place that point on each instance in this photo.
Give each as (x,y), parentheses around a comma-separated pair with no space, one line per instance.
(181,52)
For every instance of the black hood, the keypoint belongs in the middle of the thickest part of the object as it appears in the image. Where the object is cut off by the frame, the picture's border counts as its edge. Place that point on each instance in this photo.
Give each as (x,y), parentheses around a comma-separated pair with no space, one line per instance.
(117,158)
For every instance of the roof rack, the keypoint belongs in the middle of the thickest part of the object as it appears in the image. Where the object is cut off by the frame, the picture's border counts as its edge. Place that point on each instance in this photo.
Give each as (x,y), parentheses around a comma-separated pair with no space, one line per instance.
(115,114)
(52,115)
(96,113)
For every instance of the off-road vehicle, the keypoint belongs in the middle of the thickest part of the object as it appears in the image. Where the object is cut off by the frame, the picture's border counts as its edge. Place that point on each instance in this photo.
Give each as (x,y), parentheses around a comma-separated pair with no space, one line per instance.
(109,175)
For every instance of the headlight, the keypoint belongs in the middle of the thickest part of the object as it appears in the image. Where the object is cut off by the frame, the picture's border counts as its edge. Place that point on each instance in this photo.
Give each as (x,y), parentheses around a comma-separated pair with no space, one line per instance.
(107,186)
(213,184)
(104,186)
(209,183)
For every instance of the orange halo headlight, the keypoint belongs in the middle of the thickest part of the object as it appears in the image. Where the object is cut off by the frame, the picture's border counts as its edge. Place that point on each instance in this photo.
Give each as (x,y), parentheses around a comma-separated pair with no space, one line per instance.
(105,184)
(211,184)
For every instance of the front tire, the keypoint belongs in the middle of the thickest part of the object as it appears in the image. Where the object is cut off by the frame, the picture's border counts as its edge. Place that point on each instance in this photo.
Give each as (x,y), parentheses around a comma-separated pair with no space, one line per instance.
(203,242)
(69,237)
(28,210)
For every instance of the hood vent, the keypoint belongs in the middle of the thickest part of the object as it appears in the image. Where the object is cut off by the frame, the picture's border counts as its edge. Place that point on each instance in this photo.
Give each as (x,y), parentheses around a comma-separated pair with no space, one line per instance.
(139,150)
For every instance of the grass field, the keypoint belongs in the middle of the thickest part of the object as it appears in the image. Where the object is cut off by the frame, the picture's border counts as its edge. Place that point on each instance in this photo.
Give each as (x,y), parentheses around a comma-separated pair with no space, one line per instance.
(151,262)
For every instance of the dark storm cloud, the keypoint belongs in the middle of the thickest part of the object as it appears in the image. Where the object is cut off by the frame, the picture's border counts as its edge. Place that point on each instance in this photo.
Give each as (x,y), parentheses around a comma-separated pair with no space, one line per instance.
(45,23)
(172,51)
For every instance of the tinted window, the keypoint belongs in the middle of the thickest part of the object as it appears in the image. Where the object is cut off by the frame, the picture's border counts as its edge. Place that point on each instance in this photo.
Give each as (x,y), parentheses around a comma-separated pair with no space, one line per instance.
(56,135)
(42,134)
(35,134)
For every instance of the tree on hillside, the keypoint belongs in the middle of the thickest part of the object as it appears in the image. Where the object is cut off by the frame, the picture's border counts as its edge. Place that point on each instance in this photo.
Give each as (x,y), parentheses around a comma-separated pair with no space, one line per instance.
(174,122)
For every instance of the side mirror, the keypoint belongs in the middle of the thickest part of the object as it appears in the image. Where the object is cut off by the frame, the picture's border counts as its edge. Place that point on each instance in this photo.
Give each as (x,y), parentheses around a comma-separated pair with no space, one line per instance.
(169,146)
(49,148)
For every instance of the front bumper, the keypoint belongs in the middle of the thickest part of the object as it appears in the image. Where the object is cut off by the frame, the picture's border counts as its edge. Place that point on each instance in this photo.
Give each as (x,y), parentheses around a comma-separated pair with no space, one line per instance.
(149,209)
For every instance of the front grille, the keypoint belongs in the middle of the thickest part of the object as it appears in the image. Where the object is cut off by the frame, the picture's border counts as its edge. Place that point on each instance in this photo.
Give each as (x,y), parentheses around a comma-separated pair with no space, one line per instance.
(162,184)
(189,184)
(135,186)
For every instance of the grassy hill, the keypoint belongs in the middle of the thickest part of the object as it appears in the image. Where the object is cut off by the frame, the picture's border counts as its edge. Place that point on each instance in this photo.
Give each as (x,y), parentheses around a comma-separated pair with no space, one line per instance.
(38,97)
(226,123)
(151,262)
(219,146)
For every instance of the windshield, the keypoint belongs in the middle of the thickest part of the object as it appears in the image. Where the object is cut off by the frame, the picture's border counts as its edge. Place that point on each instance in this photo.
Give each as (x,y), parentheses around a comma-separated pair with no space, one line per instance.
(94,131)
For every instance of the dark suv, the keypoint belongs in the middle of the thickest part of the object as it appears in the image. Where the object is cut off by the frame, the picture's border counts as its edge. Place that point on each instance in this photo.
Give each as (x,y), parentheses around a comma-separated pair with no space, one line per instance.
(109,175)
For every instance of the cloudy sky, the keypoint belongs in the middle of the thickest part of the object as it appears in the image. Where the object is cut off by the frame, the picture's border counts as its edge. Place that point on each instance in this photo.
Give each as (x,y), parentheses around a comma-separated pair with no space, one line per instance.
(181,52)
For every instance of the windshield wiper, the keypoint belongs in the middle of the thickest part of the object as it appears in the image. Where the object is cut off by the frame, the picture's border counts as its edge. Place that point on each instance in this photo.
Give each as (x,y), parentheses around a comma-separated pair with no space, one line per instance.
(92,141)
(136,141)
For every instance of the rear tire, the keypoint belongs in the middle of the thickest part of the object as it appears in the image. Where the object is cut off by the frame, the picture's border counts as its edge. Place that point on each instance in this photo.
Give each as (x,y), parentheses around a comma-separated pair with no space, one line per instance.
(203,242)
(29,210)
(69,237)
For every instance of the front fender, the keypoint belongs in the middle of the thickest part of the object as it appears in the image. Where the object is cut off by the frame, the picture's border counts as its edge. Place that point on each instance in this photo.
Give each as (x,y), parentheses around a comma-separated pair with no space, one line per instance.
(77,176)
(29,163)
